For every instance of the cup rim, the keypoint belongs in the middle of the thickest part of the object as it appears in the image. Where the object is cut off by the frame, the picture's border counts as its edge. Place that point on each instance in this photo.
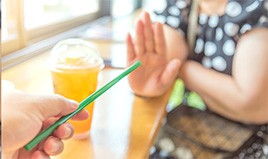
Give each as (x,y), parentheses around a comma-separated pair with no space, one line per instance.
(53,64)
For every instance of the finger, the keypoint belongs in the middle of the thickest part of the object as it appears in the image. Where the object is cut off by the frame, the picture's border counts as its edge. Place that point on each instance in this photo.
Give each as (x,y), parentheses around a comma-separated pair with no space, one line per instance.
(139,39)
(54,105)
(64,131)
(148,32)
(159,39)
(23,153)
(130,49)
(39,155)
(82,115)
(46,124)
(49,122)
(53,146)
(170,72)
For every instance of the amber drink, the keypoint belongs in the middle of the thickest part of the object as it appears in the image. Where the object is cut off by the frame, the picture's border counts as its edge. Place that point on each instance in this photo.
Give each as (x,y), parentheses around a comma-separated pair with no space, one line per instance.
(75,66)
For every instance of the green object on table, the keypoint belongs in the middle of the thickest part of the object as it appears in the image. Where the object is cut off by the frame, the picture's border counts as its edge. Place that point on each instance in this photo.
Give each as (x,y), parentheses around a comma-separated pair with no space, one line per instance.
(195,101)
(178,96)
(45,133)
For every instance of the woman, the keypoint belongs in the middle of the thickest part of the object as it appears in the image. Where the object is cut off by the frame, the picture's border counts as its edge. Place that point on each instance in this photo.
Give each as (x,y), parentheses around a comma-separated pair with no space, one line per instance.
(228,67)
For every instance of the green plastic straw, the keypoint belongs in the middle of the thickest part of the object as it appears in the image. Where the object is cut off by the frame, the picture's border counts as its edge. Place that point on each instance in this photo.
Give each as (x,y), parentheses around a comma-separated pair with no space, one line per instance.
(45,133)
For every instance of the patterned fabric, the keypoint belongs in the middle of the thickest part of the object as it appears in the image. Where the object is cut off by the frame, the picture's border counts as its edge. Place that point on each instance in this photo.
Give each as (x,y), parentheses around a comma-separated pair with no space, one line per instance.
(217,35)
(215,45)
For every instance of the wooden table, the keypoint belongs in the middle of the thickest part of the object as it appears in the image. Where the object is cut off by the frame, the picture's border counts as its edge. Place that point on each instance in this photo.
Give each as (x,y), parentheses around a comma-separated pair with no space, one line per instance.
(124,126)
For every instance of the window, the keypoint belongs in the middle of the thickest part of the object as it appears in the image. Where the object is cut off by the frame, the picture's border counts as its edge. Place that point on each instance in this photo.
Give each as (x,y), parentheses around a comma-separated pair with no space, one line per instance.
(12,34)
(119,11)
(52,11)
(28,21)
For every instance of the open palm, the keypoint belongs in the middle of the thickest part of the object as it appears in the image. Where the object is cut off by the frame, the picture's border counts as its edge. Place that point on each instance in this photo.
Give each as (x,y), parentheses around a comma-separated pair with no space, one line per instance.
(157,72)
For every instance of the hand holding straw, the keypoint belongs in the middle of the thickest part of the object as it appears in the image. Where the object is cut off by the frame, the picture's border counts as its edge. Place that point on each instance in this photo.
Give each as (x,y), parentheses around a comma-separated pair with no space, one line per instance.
(46,132)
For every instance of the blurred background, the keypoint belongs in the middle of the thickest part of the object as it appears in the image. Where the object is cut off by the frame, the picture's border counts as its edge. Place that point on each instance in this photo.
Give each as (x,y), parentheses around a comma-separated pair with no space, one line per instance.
(32,26)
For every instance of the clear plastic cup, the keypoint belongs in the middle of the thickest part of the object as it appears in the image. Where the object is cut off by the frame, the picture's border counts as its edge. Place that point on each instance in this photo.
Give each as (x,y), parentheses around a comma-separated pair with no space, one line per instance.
(75,65)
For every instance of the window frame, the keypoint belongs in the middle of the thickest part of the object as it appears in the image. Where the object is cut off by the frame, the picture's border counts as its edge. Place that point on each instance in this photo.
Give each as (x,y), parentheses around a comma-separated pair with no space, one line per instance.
(28,37)
(46,31)
(19,42)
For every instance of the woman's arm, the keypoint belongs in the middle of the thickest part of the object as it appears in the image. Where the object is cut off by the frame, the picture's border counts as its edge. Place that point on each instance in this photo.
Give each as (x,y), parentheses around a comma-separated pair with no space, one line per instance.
(243,96)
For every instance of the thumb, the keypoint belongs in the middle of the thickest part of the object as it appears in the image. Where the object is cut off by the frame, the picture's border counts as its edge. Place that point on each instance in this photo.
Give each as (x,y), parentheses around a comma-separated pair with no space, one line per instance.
(54,105)
(170,72)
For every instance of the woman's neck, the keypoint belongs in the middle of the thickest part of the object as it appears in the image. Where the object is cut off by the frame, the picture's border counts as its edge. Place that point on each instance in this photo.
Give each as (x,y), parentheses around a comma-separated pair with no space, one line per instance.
(212,7)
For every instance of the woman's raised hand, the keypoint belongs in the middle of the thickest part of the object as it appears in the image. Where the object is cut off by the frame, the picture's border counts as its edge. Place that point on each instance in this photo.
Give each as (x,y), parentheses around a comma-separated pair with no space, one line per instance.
(157,72)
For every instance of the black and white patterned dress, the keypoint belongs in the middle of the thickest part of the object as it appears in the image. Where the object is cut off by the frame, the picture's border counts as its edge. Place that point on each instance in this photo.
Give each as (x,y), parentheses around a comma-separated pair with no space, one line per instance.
(217,36)
(215,45)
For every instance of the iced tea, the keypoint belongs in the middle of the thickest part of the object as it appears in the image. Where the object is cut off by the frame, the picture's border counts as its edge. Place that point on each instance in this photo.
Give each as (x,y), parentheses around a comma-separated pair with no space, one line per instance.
(75,76)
